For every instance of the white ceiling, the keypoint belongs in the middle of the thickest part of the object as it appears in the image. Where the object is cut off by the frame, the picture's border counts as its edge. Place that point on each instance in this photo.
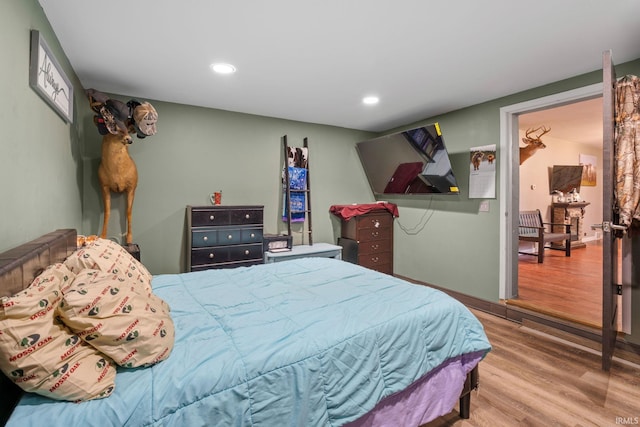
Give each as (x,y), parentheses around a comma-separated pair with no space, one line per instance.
(314,61)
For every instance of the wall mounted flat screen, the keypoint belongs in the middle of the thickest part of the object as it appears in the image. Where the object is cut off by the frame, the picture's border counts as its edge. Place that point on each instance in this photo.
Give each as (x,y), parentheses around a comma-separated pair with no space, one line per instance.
(410,162)
(565,178)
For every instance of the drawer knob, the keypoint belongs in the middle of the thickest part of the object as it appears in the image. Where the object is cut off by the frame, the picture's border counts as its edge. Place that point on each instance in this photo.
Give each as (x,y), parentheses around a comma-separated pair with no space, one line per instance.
(375,259)
(247,216)
(253,235)
(230,236)
(210,256)
(374,233)
(376,223)
(375,246)
(246,251)
(205,238)
(212,217)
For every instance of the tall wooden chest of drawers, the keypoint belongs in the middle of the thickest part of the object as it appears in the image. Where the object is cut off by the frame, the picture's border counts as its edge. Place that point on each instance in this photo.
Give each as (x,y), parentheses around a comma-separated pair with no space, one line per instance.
(224,236)
(367,240)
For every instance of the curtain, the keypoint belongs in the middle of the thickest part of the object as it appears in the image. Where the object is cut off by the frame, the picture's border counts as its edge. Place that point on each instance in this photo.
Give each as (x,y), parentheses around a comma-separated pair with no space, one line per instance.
(627,151)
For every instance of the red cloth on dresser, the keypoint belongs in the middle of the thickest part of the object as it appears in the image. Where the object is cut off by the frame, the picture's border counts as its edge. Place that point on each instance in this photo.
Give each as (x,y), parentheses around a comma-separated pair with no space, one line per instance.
(347,212)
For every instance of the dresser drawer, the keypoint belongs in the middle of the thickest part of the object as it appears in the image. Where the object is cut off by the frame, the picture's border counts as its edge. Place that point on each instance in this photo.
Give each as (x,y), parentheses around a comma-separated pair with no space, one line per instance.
(374,234)
(245,252)
(368,260)
(209,217)
(212,216)
(245,216)
(210,255)
(225,254)
(368,227)
(378,265)
(204,237)
(201,238)
(372,247)
(231,264)
(375,221)
(251,235)
(229,236)
(234,236)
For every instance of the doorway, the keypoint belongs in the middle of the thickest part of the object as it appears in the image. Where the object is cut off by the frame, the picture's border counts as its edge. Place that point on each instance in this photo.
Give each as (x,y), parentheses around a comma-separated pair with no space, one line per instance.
(574,138)
(510,192)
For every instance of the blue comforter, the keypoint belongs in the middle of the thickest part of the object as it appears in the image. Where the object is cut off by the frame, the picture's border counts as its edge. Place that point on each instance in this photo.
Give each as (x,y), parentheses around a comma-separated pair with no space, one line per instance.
(308,342)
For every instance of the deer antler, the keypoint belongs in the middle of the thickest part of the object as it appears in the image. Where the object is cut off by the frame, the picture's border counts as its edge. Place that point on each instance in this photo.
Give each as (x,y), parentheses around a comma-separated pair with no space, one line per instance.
(537,138)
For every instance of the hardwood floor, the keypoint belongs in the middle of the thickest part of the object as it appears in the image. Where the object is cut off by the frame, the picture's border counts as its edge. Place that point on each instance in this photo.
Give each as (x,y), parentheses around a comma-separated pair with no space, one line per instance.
(568,288)
(534,379)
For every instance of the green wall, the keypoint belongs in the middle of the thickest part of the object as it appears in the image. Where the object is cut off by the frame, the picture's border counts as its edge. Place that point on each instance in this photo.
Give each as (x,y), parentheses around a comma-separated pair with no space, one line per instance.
(448,242)
(49,172)
(197,151)
(39,153)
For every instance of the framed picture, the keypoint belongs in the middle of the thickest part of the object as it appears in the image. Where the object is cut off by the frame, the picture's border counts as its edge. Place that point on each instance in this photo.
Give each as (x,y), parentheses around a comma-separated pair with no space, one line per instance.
(48,79)
(589,163)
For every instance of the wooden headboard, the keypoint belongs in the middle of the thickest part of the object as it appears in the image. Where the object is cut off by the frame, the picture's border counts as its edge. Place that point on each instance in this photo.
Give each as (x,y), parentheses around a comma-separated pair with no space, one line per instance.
(18,267)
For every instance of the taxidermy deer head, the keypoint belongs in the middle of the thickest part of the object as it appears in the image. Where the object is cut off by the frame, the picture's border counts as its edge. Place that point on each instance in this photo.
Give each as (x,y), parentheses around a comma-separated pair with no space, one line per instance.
(534,143)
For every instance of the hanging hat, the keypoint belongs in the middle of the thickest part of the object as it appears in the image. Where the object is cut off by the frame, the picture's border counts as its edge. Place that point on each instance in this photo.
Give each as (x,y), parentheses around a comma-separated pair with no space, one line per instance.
(113,115)
(99,122)
(145,118)
(116,115)
(96,99)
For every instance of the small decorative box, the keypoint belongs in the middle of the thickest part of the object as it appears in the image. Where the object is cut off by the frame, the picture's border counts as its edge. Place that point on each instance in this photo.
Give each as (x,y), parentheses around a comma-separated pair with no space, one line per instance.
(276,243)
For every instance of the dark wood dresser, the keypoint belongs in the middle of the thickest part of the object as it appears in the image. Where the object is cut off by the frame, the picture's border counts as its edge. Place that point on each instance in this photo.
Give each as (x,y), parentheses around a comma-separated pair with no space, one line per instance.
(367,240)
(224,236)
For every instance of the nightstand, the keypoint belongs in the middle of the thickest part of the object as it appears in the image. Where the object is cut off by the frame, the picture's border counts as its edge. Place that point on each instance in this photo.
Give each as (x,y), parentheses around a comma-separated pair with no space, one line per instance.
(325,250)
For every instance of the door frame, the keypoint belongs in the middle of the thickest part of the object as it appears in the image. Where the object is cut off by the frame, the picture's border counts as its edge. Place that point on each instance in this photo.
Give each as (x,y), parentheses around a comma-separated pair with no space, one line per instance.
(610,252)
(510,177)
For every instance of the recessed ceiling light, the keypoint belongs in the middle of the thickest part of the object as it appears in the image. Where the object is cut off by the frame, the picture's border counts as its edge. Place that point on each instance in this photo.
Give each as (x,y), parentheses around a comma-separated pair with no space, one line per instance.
(370,100)
(222,68)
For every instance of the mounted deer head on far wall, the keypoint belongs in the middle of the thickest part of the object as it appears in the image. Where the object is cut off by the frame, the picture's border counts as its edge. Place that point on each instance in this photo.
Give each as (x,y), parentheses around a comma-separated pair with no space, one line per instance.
(534,143)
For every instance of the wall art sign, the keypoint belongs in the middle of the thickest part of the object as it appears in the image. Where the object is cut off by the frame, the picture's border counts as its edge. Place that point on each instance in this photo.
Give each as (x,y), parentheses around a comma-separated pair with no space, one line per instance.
(48,79)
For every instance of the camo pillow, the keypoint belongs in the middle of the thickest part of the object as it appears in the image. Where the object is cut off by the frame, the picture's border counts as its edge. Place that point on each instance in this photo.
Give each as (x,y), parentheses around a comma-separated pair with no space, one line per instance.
(117,318)
(40,354)
(108,256)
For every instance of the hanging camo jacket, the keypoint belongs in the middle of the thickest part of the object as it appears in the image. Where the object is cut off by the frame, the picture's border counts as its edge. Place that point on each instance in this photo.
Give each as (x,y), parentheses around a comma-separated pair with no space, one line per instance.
(627,150)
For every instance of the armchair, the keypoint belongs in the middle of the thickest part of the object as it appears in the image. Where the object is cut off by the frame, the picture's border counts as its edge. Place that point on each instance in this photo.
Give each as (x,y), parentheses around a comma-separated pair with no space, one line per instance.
(532,229)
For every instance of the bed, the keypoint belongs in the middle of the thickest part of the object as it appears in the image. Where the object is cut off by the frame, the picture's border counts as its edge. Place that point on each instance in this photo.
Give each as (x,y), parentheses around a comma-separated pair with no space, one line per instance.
(306,342)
